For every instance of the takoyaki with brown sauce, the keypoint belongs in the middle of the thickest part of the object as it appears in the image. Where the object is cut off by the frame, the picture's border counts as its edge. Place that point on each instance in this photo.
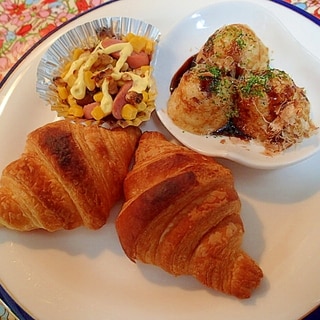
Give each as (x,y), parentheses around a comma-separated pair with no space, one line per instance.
(234,48)
(203,101)
(230,89)
(273,109)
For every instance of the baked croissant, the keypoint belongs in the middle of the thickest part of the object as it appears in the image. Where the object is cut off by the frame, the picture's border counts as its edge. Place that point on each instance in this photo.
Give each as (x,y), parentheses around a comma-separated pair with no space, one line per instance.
(181,213)
(68,176)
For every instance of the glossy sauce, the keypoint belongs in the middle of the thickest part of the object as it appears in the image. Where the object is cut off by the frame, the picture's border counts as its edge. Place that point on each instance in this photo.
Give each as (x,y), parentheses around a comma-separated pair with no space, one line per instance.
(187,65)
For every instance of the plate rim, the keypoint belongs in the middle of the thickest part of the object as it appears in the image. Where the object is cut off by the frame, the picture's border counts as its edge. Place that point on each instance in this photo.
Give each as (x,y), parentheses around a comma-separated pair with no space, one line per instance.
(2,83)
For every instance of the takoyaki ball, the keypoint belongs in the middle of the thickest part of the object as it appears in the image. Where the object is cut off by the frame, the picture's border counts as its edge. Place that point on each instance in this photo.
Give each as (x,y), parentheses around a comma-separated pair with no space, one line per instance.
(236,49)
(203,101)
(273,110)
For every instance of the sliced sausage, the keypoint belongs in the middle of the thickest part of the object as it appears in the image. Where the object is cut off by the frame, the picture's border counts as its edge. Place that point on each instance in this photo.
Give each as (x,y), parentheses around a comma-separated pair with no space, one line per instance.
(107,42)
(137,60)
(87,109)
(120,100)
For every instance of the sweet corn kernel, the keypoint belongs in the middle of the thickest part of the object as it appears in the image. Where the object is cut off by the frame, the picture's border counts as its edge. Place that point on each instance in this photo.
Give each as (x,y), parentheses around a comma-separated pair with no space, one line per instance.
(77,52)
(98,96)
(129,112)
(145,96)
(128,36)
(90,84)
(97,113)
(149,47)
(76,111)
(62,92)
(138,43)
(141,106)
(72,101)
(144,69)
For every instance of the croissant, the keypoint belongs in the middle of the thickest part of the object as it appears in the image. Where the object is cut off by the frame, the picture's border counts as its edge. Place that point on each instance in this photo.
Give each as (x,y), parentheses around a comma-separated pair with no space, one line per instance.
(69,175)
(182,213)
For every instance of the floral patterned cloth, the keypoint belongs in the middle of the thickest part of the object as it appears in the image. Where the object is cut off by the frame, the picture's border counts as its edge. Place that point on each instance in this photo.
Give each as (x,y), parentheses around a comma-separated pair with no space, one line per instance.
(24,22)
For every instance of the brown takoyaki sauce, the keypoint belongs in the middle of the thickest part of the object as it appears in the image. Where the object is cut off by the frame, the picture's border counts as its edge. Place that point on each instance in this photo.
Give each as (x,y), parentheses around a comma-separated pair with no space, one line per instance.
(188,64)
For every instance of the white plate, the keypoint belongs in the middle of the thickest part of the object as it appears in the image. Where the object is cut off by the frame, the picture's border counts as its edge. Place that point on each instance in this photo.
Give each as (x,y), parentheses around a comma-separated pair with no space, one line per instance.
(84,274)
(286,53)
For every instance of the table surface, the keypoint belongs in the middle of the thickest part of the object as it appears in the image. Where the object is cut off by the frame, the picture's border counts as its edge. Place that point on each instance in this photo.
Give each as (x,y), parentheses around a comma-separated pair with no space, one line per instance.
(22,24)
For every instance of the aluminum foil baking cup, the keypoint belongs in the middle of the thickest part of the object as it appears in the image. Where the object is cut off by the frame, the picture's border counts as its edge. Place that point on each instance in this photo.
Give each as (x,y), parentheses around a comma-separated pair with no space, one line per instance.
(86,36)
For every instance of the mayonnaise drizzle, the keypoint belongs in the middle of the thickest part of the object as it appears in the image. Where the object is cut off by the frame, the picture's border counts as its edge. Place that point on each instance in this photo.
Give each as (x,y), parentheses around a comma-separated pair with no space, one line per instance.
(139,83)
(75,66)
(78,90)
(106,102)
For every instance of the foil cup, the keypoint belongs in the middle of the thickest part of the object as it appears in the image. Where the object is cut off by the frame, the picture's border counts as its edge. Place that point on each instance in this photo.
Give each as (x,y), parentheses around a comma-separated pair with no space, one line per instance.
(87,36)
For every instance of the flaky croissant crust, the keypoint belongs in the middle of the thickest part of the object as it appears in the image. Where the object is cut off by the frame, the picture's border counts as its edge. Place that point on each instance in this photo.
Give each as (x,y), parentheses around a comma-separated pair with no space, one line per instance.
(68,176)
(182,214)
